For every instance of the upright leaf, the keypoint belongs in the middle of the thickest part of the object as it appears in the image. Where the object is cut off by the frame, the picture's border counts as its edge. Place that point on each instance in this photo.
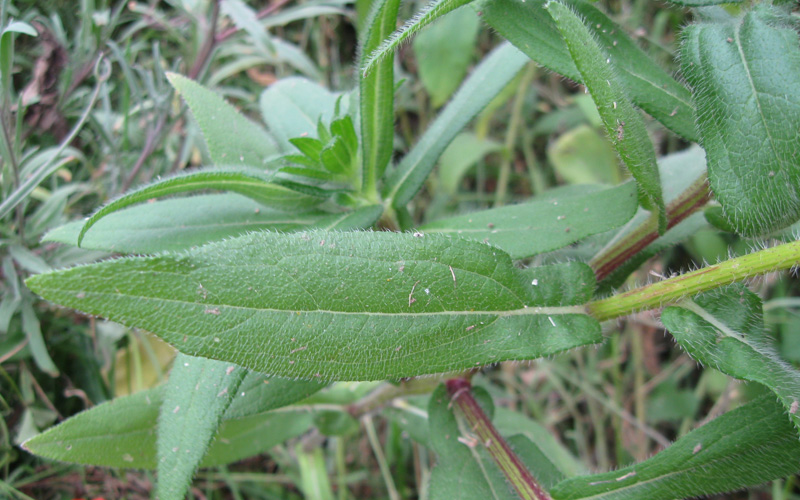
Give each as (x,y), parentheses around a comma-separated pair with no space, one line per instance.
(376,94)
(180,223)
(624,125)
(486,81)
(548,222)
(198,393)
(331,305)
(231,138)
(650,86)
(250,183)
(431,12)
(724,329)
(747,446)
(746,85)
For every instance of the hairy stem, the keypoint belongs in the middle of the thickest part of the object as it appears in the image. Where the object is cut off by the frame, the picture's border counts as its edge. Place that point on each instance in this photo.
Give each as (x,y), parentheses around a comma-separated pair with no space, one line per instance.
(777,258)
(513,469)
(613,256)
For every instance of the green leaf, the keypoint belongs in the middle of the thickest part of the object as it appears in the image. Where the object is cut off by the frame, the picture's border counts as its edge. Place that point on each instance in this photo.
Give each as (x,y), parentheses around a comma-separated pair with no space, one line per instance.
(314,480)
(623,124)
(487,80)
(180,223)
(724,329)
(464,469)
(377,96)
(292,107)
(582,156)
(331,305)
(540,466)
(428,14)
(122,432)
(335,157)
(466,150)
(231,138)
(650,86)
(33,332)
(197,395)
(546,223)
(250,183)
(308,146)
(746,85)
(444,52)
(7,51)
(747,446)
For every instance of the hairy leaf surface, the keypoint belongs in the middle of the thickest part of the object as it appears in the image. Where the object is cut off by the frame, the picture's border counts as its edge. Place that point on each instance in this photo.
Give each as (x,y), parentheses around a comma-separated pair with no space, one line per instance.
(231,138)
(724,329)
(547,223)
(746,84)
(650,86)
(328,305)
(750,445)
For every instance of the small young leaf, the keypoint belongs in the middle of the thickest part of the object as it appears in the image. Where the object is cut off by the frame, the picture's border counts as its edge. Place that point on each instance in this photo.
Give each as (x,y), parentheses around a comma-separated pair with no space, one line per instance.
(331,305)
(335,157)
(724,329)
(444,51)
(649,85)
(746,85)
(624,125)
(231,138)
(180,223)
(376,90)
(308,146)
(431,12)
(292,107)
(122,432)
(487,80)
(197,395)
(546,223)
(250,183)
(750,445)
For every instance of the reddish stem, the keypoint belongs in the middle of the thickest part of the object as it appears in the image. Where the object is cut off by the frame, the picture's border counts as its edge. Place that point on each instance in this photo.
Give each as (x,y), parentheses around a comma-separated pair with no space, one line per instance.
(460,391)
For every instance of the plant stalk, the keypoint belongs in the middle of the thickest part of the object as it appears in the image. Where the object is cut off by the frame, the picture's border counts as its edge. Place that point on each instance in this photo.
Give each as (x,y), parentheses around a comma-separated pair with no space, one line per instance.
(669,291)
(460,391)
(690,201)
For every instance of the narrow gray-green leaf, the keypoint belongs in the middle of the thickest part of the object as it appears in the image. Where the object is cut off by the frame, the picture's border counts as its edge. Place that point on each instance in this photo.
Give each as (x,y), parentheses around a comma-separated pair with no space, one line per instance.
(376,94)
(623,124)
(180,223)
(746,84)
(331,305)
(650,86)
(197,395)
(548,222)
(434,10)
(748,446)
(250,183)
(122,432)
(724,329)
(314,480)
(487,80)
(231,138)
(33,332)
(292,107)
(464,151)
(464,469)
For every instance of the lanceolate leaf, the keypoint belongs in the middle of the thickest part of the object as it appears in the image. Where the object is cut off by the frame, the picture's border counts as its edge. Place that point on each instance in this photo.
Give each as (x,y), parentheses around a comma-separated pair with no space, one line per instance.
(746,84)
(724,329)
(122,432)
(747,446)
(486,81)
(329,305)
(434,10)
(180,223)
(650,87)
(624,125)
(545,224)
(231,138)
(250,183)
(376,90)
(702,3)
(198,393)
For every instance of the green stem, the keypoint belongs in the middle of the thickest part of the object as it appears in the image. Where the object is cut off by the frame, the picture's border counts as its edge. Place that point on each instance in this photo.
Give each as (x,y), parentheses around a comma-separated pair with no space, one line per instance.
(653,296)
(513,469)
(614,255)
